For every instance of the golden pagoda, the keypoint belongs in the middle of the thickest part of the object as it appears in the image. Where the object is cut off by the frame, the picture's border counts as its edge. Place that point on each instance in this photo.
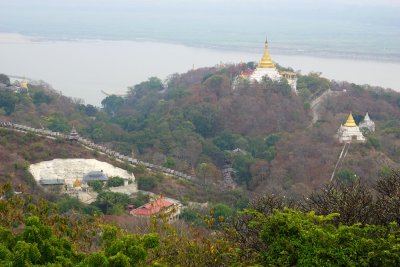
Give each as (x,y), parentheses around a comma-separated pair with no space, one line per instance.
(24,84)
(266,68)
(350,121)
(77,183)
(266,61)
(350,132)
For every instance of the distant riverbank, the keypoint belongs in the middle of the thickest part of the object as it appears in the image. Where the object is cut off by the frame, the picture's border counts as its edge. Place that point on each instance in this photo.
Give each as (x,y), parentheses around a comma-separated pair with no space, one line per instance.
(84,68)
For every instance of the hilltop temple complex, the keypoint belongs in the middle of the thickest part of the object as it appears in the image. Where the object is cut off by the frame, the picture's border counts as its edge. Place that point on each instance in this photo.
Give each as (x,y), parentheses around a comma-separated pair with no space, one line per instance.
(350,132)
(267,68)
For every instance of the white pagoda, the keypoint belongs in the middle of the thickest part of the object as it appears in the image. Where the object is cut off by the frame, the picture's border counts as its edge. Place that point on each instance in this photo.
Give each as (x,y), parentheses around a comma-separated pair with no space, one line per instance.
(73,136)
(267,68)
(367,124)
(350,132)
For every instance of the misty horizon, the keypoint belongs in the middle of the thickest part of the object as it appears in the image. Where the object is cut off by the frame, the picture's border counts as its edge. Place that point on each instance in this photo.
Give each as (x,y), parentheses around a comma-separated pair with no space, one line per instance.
(359,29)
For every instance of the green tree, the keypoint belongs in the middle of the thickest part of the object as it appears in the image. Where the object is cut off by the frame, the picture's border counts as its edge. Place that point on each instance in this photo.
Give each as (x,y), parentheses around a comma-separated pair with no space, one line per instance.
(225,140)
(90,110)
(40,97)
(115,181)
(242,163)
(169,162)
(125,249)
(313,82)
(298,239)
(106,201)
(204,117)
(140,199)
(4,79)
(112,104)
(222,211)
(373,141)
(96,185)
(346,176)
(272,139)
(8,100)
(58,123)
(189,215)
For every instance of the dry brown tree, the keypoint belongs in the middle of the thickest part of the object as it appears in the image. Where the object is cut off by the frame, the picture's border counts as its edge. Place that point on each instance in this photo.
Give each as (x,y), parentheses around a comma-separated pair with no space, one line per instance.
(388,199)
(353,201)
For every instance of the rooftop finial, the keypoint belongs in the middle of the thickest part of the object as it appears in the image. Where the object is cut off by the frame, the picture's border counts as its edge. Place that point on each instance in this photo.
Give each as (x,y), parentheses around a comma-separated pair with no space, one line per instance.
(266,40)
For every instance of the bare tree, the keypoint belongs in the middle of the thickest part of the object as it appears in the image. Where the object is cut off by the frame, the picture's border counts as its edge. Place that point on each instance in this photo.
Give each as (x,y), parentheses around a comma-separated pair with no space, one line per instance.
(353,201)
(388,199)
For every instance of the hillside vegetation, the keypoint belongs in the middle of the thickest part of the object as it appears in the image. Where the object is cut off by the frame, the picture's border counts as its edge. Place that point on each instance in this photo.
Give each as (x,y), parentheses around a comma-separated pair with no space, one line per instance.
(193,122)
(346,224)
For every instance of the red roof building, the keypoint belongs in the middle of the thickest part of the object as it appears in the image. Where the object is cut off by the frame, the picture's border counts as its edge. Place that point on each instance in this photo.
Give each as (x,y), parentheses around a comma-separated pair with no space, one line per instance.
(246,73)
(157,206)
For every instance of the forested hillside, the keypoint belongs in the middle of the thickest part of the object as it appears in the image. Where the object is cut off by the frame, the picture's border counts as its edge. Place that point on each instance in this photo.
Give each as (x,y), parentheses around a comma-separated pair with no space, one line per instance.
(195,121)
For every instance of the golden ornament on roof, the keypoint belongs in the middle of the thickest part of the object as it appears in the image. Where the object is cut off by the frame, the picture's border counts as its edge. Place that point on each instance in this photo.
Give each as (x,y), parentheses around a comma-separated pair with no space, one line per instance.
(350,121)
(77,183)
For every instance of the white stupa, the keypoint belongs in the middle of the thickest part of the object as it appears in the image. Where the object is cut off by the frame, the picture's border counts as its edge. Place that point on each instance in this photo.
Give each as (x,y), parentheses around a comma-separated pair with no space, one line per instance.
(367,124)
(350,132)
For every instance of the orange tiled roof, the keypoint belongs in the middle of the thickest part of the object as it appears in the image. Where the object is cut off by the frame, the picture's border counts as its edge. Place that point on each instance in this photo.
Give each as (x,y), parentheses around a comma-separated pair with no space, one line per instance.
(152,207)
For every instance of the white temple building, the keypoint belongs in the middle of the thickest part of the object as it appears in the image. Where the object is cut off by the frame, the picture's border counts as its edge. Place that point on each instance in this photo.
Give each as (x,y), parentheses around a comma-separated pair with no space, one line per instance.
(367,124)
(350,132)
(73,136)
(267,68)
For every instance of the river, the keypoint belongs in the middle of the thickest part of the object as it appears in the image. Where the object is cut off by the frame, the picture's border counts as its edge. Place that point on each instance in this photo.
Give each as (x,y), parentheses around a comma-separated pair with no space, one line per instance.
(83,68)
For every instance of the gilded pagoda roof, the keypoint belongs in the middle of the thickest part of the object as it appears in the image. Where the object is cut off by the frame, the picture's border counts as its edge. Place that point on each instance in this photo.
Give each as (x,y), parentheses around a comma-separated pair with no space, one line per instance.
(266,61)
(350,121)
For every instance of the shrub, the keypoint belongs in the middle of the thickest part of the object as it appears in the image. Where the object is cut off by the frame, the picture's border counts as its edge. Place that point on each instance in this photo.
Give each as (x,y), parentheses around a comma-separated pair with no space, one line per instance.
(110,202)
(140,199)
(140,168)
(372,141)
(96,185)
(346,176)
(146,183)
(115,181)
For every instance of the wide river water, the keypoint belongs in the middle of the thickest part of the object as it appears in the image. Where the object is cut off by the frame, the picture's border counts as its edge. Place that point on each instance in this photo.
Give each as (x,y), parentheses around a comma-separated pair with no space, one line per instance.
(82,69)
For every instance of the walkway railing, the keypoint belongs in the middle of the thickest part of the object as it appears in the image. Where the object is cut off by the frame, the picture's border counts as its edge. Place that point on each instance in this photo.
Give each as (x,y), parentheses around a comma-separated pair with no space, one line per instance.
(89,144)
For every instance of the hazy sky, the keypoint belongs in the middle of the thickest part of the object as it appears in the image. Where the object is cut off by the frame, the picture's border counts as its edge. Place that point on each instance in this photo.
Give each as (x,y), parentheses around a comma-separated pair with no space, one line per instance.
(201,3)
(236,10)
(346,26)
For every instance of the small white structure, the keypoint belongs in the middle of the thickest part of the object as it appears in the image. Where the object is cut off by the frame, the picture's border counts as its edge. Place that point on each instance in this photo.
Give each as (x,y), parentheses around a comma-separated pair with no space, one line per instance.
(350,132)
(73,136)
(367,124)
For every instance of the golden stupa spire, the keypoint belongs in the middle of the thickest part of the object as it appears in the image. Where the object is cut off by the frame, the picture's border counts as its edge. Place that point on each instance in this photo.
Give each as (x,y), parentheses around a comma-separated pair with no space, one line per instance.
(350,121)
(24,84)
(266,61)
(77,183)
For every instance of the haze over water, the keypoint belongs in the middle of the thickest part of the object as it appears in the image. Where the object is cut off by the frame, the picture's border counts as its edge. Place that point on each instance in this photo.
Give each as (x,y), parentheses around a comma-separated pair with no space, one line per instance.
(358,41)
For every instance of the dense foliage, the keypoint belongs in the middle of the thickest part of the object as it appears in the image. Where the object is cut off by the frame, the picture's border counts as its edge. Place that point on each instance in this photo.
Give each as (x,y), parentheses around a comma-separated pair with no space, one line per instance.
(271,231)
